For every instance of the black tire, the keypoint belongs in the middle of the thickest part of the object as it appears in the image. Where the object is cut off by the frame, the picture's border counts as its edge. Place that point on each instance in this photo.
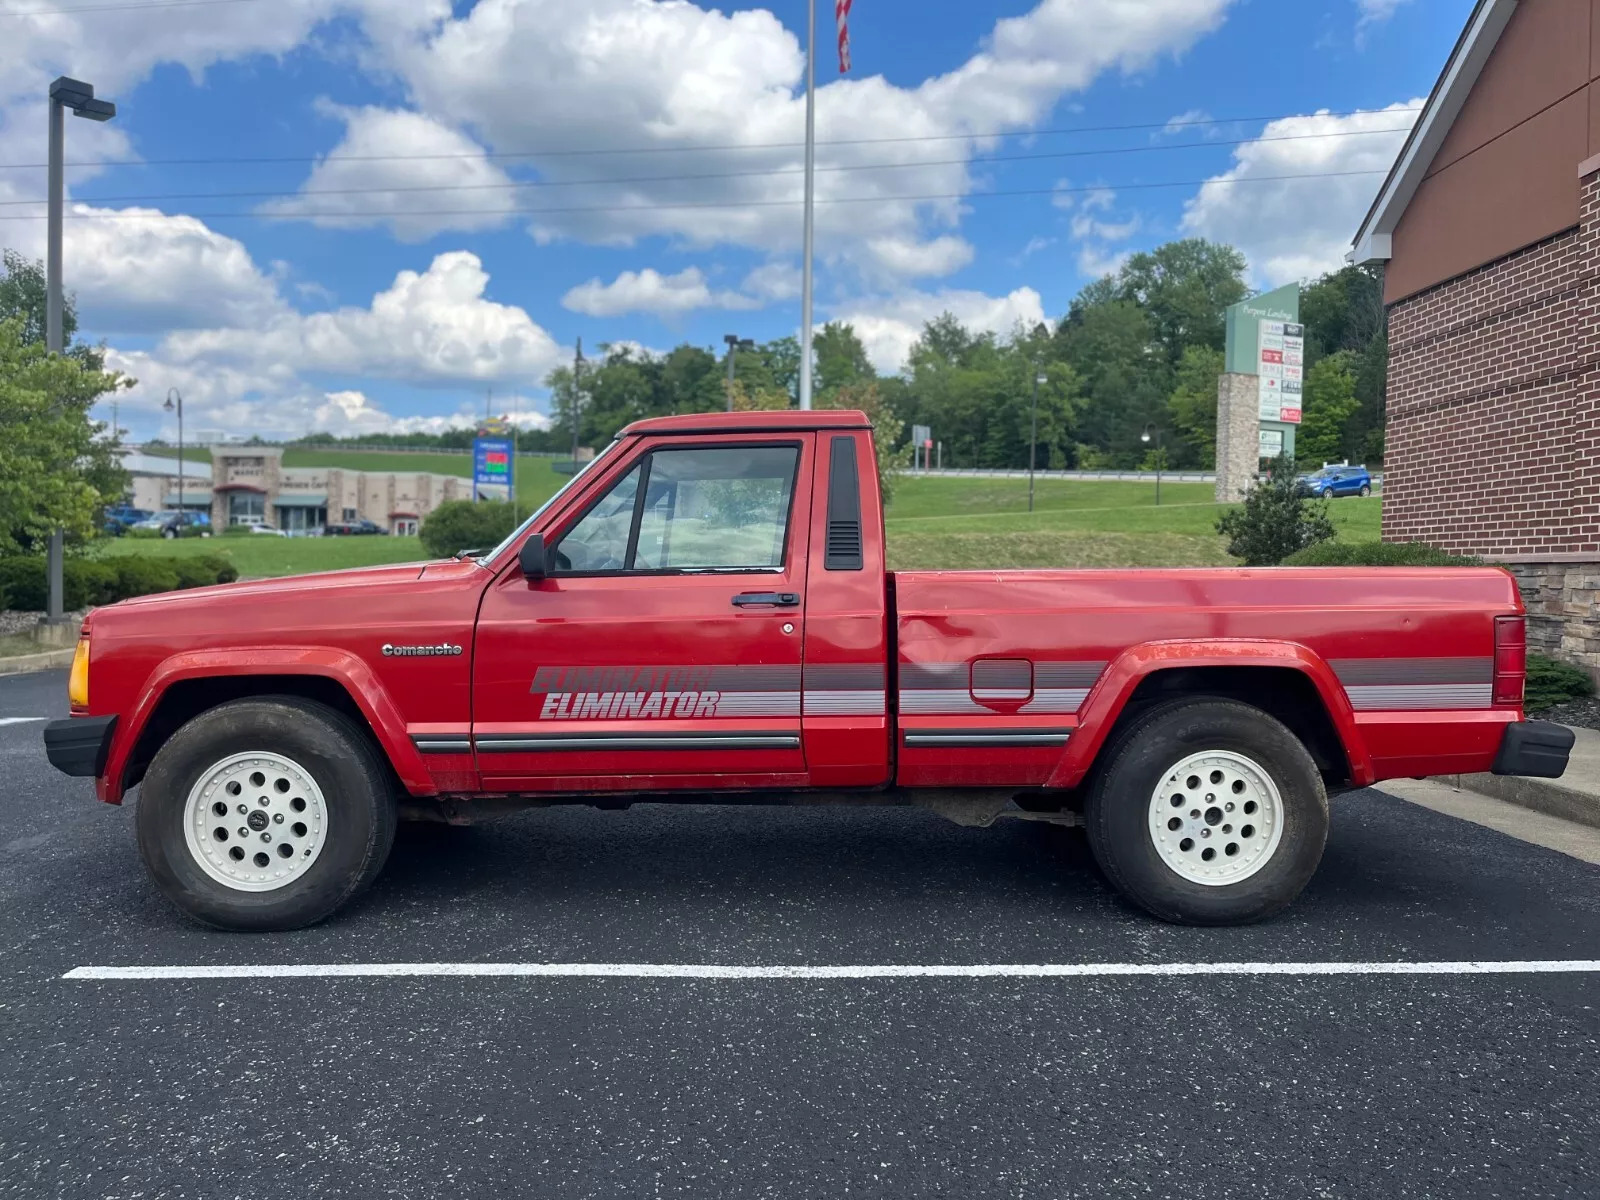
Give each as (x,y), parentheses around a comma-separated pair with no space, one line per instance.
(169,534)
(1134,762)
(1366,489)
(332,749)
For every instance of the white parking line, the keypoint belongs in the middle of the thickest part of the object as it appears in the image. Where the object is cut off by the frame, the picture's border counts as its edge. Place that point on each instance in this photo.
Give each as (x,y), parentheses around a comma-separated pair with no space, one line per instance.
(20,720)
(1580,966)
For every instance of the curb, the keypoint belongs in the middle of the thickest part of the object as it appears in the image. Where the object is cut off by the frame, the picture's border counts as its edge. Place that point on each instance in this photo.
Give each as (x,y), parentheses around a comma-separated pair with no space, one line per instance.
(50,660)
(1541,795)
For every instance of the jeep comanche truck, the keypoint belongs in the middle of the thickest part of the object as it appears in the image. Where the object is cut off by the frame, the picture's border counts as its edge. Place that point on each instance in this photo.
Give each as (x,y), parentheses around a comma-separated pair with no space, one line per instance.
(703,614)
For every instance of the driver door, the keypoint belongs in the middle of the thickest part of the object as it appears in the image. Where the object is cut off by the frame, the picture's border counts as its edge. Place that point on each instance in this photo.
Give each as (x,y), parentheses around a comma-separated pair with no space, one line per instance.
(663,650)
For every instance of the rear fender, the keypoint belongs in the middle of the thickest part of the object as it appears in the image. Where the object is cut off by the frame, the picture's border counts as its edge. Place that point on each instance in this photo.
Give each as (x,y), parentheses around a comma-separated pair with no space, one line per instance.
(1109,697)
(345,669)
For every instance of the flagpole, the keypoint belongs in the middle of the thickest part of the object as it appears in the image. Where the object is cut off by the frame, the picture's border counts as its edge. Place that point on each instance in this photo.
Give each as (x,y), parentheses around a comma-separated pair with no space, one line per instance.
(811,199)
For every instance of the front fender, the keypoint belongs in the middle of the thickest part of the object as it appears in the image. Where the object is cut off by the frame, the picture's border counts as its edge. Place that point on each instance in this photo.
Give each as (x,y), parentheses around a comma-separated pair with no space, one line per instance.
(340,666)
(1116,685)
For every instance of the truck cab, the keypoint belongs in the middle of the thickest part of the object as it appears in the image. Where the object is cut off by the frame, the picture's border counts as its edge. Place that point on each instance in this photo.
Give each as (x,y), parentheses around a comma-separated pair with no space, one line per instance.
(704,613)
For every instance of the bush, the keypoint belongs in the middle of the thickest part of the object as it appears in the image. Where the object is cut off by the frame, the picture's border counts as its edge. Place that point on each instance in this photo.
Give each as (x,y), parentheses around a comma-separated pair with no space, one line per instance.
(222,570)
(144,577)
(23,581)
(458,525)
(143,535)
(1275,520)
(1377,554)
(88,584)
(194,572)
(1551,682)
(237,531)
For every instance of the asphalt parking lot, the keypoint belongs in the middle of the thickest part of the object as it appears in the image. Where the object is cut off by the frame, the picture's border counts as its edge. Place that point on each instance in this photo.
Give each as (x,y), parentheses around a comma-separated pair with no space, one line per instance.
(1187,1085)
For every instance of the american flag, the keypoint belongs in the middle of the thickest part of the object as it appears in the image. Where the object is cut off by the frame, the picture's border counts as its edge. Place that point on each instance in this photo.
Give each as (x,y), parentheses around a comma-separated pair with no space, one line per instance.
(841,10)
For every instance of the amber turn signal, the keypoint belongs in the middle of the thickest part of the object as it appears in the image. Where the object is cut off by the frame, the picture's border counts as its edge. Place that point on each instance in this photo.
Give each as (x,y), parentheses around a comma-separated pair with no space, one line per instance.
(78,681)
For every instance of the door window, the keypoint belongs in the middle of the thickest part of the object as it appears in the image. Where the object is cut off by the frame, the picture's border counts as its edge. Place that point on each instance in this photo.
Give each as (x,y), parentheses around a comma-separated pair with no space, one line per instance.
(708,508)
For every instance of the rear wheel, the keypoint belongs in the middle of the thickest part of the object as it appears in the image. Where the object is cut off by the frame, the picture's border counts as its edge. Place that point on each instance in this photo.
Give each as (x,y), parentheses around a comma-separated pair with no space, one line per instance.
(1366,489)
(265,814)
(1208,812)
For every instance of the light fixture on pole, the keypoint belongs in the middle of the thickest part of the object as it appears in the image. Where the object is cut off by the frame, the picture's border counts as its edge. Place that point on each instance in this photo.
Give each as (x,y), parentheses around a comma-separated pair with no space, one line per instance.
(1160,456)
(169,407)
(79,97)
(1039,380)
(735,344)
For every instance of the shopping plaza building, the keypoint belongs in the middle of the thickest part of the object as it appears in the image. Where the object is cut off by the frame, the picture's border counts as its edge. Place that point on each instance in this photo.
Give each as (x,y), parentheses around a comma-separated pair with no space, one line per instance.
(249,485)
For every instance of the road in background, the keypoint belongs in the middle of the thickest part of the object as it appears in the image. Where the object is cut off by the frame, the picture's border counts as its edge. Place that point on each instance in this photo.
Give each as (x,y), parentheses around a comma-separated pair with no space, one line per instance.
(1193,1087)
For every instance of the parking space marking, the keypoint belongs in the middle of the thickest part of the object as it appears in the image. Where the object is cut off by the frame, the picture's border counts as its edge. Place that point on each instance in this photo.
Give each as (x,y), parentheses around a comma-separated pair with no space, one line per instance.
(515,970)
(20,720)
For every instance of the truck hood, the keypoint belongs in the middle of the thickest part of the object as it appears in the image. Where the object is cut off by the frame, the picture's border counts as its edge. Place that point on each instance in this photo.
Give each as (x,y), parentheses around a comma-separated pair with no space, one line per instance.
(354,579)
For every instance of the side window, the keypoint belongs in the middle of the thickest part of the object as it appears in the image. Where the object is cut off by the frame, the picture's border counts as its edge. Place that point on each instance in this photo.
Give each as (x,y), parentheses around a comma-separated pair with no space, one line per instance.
(599,542)
(709,508)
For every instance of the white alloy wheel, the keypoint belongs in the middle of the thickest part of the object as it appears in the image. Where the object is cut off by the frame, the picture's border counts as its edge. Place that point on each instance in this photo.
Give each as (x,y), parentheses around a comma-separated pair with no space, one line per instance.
(255,822)
(1216,818)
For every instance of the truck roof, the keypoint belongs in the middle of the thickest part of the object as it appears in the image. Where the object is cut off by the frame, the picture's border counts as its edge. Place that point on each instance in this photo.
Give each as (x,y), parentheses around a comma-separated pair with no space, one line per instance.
(787,420)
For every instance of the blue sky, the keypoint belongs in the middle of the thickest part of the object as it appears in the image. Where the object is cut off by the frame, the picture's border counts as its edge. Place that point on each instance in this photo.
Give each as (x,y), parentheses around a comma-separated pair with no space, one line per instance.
(371,276)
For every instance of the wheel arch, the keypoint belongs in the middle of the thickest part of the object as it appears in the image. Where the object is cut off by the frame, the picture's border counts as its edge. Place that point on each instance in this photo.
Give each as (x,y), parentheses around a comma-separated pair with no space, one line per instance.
(187,685)
(1306,696)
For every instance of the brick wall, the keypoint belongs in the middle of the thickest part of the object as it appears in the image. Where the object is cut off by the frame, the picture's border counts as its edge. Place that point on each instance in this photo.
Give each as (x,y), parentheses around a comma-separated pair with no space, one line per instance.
(1493,443)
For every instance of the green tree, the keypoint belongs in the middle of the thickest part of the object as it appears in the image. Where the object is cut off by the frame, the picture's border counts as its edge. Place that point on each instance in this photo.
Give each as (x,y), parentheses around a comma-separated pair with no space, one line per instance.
(1330,406)
(1275,520)
(56,470)
(22,297)
(1184,287)
(841,358)
(1193,406)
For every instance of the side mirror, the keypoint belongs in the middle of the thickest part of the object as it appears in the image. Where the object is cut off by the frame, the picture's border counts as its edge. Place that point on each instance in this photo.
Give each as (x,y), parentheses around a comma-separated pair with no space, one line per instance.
(535,559)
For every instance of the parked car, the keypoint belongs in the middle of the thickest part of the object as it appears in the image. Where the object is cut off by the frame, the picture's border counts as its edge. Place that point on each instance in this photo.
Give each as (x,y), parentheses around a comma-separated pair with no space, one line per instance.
(653,635)
(353,529)
(1337,481)
(182,524)
(271,530)
(122,517)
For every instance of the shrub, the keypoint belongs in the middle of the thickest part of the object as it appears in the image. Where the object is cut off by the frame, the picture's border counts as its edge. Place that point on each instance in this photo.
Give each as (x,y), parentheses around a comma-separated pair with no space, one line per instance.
(1551,682)
(458,525)
(143,535)
(237,531)
(86,584)
(1377,554)
(221,567)
(145,576)
(194,572)
(23,580)
(1275,520)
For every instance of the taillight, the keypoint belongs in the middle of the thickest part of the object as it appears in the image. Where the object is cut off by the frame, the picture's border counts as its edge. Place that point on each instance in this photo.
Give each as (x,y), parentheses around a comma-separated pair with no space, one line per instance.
(78,679)
(1510,659)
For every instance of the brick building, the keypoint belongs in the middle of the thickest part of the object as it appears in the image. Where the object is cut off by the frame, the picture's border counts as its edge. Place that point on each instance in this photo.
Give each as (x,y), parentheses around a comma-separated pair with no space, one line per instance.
(1489,229)
(249,485)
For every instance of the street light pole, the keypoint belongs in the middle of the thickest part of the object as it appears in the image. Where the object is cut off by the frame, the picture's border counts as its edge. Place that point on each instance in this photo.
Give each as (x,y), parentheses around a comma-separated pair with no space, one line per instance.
(1033,438)
(735,344)
(168,406)
(577,399)
(1160,459)
(65,93)
(807,273)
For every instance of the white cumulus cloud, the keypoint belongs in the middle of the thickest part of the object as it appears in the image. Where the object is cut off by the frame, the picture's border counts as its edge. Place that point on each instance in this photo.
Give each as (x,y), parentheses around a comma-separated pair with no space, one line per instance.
(1293,228)
(649,291)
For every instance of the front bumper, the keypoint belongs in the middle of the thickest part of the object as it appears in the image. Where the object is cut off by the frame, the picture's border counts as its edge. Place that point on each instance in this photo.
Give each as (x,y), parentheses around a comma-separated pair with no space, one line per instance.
(1535,748)
(79,745)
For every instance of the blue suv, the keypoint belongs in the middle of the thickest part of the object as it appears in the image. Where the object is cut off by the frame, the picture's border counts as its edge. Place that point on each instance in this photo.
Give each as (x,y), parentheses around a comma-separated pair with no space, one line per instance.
(1337,481)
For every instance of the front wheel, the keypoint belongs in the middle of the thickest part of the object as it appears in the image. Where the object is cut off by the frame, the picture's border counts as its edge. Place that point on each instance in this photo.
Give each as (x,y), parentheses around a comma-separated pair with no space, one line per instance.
(265,814)
(1208,812)
(1366,490)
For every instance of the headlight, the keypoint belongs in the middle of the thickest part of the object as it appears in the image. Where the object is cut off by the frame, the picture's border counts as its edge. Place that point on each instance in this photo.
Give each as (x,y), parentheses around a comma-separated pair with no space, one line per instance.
(78,681)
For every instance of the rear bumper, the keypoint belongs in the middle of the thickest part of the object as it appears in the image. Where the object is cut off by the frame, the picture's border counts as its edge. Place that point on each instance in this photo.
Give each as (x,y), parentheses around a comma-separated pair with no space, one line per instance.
(1535,748)
(79,745)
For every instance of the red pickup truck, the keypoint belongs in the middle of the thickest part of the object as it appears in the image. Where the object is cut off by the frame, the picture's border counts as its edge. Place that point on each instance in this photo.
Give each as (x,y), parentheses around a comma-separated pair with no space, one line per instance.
(704,614)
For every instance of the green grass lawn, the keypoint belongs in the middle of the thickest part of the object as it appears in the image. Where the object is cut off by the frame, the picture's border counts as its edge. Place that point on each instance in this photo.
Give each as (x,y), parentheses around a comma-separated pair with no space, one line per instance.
(954,496)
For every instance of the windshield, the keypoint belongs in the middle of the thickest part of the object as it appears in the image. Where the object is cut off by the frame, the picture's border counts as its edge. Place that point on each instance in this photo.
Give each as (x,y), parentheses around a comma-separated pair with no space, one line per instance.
(543,508)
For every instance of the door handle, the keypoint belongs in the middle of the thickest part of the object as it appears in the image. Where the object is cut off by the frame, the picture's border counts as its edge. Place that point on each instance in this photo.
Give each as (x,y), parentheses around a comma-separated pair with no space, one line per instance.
(763,599)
